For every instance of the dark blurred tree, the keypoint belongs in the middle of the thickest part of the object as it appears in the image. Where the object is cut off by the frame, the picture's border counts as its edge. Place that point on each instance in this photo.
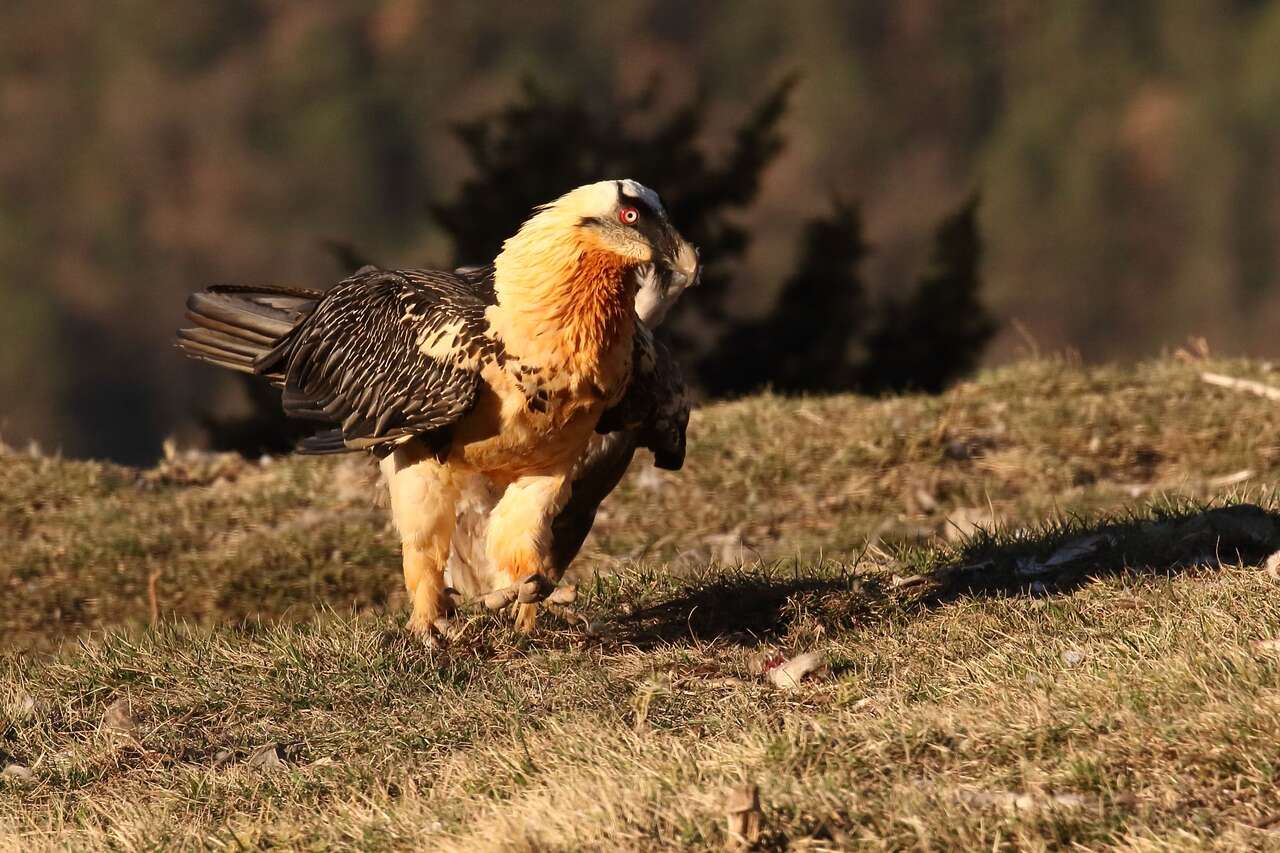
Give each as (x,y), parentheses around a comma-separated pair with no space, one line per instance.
(938,334)
(542,145)
(807,342)
(823,336)
(264,429)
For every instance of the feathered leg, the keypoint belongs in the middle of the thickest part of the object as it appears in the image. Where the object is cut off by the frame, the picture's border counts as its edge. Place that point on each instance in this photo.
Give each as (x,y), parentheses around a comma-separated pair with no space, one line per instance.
(519,536)
(469,570)
(423,499)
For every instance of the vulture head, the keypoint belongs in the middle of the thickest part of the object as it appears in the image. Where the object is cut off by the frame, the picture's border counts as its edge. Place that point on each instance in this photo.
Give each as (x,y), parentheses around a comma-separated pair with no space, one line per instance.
(621,222)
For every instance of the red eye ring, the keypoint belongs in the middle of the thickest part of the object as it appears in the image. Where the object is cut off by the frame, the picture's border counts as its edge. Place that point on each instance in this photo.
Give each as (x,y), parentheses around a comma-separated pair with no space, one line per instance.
(629,215)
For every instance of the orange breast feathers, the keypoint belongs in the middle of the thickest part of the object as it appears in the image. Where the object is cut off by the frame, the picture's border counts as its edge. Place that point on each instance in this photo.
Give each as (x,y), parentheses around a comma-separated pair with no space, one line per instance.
(564,305)
(565,318)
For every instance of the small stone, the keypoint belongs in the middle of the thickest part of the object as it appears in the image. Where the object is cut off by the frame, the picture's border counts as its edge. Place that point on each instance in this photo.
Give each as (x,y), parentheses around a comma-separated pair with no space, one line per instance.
(23,706)
(1273,565)
(1068,801)
(1073,657)
(118,718)
(788,676)
(18,773)
(266,757)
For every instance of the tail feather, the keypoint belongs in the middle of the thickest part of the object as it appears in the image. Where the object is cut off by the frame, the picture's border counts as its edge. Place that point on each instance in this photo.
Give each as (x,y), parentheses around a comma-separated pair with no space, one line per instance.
(324,442)
(207,322)
(268,312)
(243,328)
(247,329)
(219,350)
(230,342)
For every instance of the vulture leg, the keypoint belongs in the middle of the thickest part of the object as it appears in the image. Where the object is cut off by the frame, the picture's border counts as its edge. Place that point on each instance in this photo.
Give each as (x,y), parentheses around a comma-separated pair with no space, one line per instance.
(518,541)
(422,505)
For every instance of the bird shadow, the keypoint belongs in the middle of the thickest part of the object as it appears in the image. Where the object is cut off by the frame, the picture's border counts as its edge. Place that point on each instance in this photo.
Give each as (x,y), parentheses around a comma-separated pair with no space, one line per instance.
(747,607)
(741,607)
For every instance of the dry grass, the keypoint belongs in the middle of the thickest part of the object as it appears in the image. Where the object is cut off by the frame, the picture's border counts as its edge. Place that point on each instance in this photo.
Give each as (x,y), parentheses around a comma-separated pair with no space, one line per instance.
(1091,671)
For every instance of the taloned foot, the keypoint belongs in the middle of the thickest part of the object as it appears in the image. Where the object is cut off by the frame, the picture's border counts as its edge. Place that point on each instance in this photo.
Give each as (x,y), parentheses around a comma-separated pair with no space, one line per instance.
(563,595)
(524,597)
(560,603)
(531,590)
(437,633)
(557,602)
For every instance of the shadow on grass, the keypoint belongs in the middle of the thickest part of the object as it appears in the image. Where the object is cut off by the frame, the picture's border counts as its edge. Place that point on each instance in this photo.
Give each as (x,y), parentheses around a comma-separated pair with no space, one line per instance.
(747,606)
(1062,558)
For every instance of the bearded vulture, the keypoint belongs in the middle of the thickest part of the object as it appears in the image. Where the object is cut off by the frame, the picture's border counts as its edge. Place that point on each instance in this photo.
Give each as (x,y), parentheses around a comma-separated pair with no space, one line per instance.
(655,402)
(447,376)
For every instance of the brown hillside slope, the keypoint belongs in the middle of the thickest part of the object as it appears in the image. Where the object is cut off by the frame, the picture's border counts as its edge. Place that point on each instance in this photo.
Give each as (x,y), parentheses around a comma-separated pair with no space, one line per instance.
(1096,671)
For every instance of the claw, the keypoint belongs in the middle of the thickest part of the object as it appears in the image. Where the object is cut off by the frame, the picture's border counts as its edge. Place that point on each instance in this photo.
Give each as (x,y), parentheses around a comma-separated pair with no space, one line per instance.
(432,635)
(500,598)
(566,594)
(526,618)
(525,594)
(573,617)
(534,588)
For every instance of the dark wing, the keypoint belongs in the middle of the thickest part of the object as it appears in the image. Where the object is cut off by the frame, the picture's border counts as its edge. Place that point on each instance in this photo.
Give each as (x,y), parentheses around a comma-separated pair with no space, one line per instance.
(653,413)
(597,474)
(664,432)
(383,356)
(480,279)
(655,405)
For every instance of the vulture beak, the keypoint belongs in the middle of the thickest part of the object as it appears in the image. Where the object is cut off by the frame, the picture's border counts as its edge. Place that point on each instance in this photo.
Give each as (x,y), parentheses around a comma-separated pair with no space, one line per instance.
(682,260)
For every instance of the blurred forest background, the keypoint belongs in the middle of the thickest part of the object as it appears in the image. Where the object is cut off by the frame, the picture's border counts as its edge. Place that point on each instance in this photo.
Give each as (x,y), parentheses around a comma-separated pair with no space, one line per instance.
(837,161)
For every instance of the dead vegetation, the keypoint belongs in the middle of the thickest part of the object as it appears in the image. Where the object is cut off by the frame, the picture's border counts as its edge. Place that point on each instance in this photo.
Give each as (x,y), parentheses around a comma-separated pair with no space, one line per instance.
(1092,664)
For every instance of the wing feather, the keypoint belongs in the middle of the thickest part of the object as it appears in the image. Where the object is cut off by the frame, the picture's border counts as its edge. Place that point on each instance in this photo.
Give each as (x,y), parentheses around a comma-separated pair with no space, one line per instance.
(655,405)
(358,360)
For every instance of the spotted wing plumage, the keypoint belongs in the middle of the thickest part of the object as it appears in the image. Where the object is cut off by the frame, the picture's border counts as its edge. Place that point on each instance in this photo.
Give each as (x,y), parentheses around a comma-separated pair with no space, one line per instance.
(655,405)
(383,356)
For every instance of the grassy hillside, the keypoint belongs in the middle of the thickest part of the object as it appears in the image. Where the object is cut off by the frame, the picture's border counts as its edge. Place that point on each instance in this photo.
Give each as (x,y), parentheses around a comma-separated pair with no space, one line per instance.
(1036,600)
